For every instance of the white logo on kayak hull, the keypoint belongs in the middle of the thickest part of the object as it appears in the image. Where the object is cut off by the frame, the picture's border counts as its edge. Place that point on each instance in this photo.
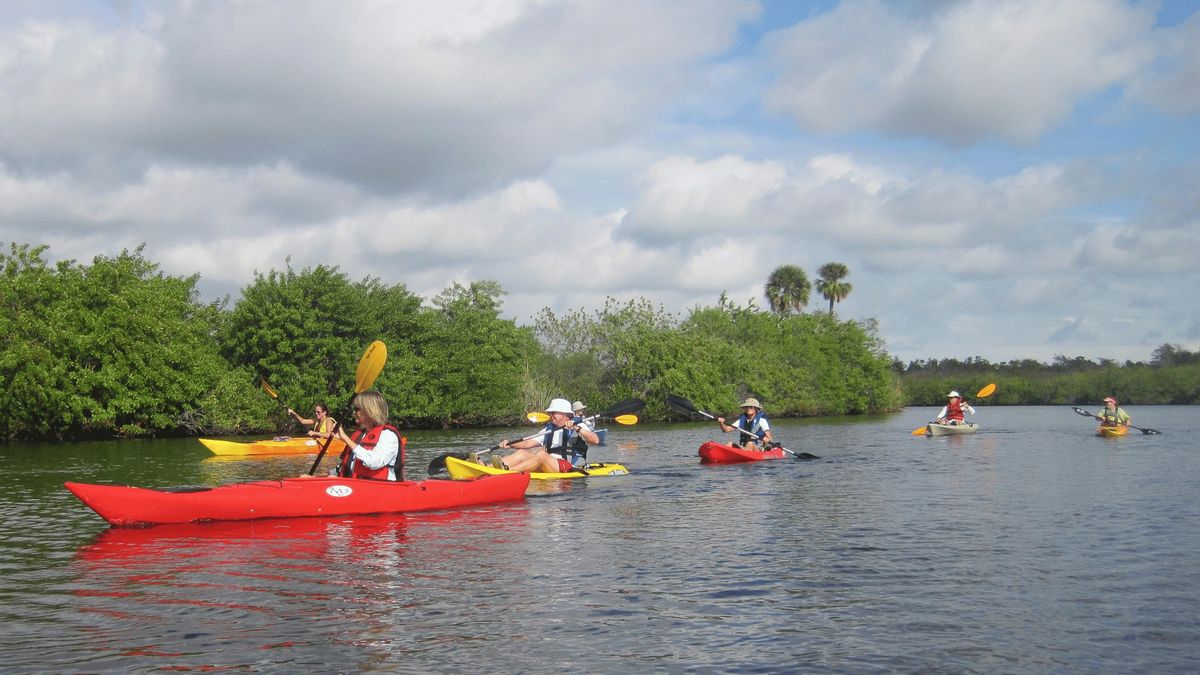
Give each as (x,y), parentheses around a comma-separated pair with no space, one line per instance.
(338,490)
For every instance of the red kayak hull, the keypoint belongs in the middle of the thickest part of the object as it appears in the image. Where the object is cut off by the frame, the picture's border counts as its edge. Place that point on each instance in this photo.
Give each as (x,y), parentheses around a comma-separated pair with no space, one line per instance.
(716,453)
(292,498)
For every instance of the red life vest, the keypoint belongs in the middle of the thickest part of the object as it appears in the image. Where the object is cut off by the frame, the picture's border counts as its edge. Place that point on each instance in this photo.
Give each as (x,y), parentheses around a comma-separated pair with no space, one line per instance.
(954,409)
(353,468)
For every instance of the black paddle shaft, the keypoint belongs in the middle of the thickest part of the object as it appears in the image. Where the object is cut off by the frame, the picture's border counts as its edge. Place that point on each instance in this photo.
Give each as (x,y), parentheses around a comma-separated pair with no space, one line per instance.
(1148,432)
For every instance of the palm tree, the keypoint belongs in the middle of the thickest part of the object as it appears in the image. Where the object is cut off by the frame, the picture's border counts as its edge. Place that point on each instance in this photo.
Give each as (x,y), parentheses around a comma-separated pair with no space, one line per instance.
(787,290)
(831,286)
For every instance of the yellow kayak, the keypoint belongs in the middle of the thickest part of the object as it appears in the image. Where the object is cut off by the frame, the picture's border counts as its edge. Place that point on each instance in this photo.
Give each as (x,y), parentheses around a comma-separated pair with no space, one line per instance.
(1112,431)
(290,446)
(462,469)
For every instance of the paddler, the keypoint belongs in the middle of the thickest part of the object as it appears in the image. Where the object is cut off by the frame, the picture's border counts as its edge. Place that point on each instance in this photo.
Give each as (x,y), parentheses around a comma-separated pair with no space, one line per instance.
(375,451)
(551,451)
(1113,415)
(952,412)
(321,423)
(752,420)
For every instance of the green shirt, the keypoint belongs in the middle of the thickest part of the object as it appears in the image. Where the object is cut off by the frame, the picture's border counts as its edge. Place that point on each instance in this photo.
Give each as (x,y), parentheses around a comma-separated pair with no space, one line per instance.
(1114,417)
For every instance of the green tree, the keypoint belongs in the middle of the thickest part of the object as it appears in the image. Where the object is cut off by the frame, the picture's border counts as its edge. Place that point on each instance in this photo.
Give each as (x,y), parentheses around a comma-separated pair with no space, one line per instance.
(830,284)
(306,331)
(787,290)
(469,362)
(114,348)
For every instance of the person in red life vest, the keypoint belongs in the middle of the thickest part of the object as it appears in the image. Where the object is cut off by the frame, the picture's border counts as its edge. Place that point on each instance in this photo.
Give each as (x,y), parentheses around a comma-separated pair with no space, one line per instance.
(952,412)
(752,420)
(376,450)
(551,451)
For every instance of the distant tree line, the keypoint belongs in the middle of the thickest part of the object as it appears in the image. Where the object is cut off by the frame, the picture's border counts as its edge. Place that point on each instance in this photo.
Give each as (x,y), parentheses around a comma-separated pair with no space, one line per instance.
(118,349)
(1171,376)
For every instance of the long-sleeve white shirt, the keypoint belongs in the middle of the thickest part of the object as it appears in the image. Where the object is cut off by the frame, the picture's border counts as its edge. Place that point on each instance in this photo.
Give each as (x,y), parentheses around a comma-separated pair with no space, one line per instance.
(383,454)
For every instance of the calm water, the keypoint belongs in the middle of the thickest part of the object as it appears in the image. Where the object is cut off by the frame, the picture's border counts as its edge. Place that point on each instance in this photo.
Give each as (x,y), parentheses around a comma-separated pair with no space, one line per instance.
(1032,546)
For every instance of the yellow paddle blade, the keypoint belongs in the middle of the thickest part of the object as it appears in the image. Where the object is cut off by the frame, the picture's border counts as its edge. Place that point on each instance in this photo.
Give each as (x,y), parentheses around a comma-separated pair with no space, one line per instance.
(920,431)
(369,366)
(986,391)
(270,392)
(542,418)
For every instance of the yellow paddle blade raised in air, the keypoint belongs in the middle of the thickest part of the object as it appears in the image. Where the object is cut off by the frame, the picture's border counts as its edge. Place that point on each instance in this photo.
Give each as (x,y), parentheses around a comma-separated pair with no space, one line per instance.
(270,391)
(986,391)
(626,419)
(369,366)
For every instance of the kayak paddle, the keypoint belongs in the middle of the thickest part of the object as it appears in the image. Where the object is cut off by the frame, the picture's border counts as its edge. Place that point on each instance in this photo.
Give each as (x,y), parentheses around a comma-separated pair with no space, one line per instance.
(369,367)
(685,406)
(983,393)
(542,418)
(1148,432)
(618,410)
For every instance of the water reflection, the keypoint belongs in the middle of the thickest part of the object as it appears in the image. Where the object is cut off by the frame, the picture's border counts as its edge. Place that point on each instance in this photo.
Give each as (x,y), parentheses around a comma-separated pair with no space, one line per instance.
(187,596)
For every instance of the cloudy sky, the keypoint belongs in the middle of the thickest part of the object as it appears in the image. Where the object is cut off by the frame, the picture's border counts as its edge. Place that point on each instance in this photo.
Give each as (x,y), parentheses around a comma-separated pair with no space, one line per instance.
(1005,179)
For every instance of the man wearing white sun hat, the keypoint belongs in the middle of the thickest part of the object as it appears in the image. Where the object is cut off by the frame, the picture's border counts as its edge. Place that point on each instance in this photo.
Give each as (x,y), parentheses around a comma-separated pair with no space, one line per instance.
(550,452)
(752,424)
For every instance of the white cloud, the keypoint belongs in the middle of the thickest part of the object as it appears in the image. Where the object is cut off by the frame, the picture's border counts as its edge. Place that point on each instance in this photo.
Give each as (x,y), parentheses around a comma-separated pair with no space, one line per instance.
(969,71)
(1173,82)
(430,97)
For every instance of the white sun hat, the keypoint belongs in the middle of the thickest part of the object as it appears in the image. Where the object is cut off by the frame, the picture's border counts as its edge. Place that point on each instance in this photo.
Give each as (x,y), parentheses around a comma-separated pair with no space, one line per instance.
(560,405)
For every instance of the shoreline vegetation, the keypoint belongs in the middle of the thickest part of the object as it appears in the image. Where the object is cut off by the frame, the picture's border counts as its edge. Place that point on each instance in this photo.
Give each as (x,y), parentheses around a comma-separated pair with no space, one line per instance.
(116,349)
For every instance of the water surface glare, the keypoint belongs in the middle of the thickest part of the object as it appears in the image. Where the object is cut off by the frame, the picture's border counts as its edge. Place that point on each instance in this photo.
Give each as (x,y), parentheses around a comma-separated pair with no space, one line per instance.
(1031,546)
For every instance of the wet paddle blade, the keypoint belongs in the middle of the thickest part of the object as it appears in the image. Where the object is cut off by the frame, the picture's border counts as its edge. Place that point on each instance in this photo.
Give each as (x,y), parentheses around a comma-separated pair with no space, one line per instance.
(629,405)
(369,366)
(267,388)
(986,391)
(681,404)
(920,431)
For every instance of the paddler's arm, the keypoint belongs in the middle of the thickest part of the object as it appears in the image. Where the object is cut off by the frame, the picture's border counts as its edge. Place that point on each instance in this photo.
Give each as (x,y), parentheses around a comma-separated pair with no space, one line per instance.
(585,432)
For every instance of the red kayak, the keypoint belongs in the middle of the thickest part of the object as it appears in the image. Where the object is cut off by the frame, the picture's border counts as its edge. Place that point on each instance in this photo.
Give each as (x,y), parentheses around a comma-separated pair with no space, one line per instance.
(293,497)
(715,452)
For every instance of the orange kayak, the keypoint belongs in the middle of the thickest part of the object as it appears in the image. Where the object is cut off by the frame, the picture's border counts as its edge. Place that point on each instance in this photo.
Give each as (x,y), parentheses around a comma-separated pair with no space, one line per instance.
(289,446)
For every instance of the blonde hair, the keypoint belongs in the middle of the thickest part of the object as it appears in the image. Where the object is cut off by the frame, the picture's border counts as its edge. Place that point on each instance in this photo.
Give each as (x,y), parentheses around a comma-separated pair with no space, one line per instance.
(374,405)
